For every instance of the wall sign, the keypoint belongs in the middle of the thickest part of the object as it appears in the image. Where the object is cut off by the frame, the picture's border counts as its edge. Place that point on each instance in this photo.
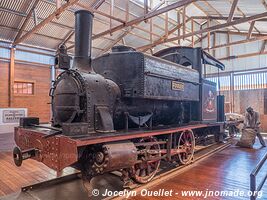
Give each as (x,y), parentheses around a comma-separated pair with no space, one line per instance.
(12,116)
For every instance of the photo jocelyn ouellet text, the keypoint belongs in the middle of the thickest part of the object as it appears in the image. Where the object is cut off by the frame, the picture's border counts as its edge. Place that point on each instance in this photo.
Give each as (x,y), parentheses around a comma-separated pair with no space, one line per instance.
(172,193)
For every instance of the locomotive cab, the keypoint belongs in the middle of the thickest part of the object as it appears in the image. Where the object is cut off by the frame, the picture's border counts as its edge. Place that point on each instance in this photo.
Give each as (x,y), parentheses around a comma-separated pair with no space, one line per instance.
(211,106)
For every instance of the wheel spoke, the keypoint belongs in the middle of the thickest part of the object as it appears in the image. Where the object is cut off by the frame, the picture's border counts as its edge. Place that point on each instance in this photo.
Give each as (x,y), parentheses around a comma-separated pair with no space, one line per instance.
(143,172)
(186,143)
(138,171)
(184,136)
(148,168)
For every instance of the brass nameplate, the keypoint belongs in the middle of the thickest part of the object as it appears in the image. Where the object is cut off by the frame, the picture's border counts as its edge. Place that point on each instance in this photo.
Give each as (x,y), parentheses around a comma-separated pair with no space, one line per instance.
(177,85)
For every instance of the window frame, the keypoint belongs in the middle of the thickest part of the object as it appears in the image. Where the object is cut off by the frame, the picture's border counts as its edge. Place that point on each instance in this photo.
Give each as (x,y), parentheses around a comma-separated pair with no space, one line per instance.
(22,82)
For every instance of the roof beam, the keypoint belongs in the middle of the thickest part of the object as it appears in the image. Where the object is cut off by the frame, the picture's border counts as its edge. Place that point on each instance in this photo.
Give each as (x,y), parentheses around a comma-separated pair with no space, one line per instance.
(263,46)
(243,14)
(145,17)
(232,11)
(264,4)
(35,18)
(164,37)
(244,55)
(95,6)
(250,29)
(178,22)
(200,39)
(100,13)
(57,12)
(156,7)
(17,13)
(222,18)
(239,42)
(214,28)
(184,20)
(45,21)
(228,49)
(120,37)
(218,13)
(28,17)
(241,33)
(208,25)
(67,38)
(38,34)
(145,7)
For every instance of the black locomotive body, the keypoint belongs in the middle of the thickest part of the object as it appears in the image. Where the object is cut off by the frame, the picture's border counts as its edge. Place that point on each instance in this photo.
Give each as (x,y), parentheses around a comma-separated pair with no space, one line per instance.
(125,110)
(135,90)
(170,90)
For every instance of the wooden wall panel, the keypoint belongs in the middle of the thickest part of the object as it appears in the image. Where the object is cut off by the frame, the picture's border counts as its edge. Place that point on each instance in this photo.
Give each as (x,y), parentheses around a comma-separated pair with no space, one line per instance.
(4,84)
(263,123)
(265,101)
(37,103)
(245,98)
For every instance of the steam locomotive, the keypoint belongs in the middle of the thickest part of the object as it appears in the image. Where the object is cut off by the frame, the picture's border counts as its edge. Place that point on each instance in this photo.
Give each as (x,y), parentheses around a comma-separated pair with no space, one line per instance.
(124,110)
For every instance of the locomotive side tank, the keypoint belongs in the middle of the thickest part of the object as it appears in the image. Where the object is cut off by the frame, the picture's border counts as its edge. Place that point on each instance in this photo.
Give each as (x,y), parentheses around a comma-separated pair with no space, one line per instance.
(151,88)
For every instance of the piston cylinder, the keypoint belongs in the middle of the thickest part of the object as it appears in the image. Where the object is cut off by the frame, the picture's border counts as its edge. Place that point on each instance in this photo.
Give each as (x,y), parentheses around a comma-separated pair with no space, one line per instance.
(115,155)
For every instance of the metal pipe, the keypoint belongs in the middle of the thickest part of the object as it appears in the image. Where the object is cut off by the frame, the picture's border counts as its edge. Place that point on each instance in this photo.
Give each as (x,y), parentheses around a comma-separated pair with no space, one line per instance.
(83,40)
(19,155)
(52,80)
(252,186)
(259,166)
(253,175)
(35,18)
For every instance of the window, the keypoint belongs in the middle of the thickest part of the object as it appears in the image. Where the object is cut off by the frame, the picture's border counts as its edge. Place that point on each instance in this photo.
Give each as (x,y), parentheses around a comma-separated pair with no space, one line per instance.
(23,87)
(224,82)
(250,81)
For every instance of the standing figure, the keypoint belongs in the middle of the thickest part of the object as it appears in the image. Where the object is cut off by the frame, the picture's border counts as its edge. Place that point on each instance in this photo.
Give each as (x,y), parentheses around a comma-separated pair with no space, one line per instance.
(252,120)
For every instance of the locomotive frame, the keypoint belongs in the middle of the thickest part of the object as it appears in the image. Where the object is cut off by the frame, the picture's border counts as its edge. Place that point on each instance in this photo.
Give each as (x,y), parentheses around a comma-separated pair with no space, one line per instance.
(58,151)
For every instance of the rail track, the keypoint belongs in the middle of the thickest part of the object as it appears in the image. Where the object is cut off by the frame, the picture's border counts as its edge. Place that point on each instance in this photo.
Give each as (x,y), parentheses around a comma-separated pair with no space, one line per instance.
(167,171)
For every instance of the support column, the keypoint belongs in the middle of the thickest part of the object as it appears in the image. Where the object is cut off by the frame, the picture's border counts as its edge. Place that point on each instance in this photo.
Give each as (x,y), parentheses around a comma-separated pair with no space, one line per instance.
(232,92)
(52,74)
(214,44)
(52,80)
(11,77)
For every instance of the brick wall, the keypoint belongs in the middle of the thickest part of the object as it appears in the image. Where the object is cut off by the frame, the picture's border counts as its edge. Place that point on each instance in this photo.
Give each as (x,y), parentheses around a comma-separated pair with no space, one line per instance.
(37,103)
(4,84)
(254,98)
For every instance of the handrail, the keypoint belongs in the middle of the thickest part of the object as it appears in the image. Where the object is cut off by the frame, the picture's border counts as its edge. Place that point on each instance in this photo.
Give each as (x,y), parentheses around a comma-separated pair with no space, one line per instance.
(253,189)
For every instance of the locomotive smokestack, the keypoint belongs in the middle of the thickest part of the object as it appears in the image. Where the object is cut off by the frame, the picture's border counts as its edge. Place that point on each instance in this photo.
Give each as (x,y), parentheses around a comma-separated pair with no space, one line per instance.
(83,40)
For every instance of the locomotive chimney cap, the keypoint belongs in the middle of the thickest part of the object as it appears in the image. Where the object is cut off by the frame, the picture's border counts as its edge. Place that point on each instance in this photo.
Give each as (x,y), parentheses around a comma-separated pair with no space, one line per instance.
(122,48)
(83,40)
(86,11)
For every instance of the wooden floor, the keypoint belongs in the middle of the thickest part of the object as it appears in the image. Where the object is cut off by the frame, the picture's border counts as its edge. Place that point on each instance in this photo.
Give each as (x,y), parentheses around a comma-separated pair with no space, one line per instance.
(12,178)
(7,142)
(226,170)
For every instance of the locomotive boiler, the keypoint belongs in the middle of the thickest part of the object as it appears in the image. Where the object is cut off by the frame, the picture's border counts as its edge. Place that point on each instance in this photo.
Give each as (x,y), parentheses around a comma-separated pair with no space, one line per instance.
(124,110)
